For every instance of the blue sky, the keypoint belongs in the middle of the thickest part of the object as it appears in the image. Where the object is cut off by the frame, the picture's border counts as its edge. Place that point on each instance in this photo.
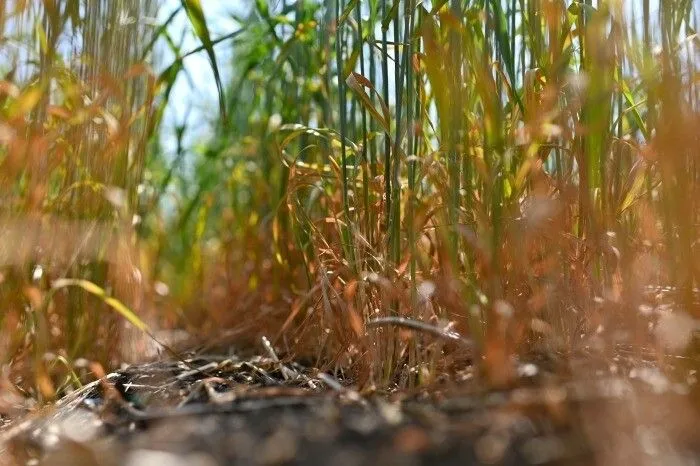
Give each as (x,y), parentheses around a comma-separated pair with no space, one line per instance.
(200,98)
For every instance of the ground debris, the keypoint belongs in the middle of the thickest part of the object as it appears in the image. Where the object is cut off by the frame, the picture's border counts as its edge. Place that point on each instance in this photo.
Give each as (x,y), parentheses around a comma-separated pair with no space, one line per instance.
(211,410)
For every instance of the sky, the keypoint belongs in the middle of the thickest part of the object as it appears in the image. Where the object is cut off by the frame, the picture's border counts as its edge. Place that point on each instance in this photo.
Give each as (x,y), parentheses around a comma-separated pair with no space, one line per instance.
(197,102)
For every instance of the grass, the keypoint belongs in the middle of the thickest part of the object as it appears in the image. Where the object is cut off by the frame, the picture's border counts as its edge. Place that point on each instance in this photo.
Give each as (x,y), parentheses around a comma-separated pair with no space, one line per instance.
(514,175)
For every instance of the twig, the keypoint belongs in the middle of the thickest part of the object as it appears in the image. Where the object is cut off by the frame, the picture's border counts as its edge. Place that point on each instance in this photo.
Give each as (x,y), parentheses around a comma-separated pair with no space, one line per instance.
(422,327)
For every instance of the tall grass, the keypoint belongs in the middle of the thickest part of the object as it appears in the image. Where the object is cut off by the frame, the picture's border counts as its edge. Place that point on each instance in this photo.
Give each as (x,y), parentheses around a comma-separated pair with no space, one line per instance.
(514,173)
(525,177)
(75,116)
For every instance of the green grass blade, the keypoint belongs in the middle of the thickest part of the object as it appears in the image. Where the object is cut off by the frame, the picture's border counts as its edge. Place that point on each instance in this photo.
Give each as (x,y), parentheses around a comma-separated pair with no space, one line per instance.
(503,43)
(356,82)
(99,292)
(199,24)
(388,18)
(347,12)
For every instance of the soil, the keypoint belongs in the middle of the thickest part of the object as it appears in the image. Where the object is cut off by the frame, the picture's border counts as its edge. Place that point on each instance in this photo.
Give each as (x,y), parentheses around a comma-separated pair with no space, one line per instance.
(210,410)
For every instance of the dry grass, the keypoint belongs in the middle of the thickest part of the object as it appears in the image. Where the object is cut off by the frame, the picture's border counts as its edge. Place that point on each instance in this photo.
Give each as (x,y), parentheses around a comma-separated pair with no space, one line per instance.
(514,174)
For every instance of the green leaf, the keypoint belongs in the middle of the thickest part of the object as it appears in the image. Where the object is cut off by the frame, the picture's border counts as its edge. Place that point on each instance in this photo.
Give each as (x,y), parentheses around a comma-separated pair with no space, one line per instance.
(636,188)
(199,24)
(27,101)
(504,46)
(162,29)
(633,108)
(297,129)
(437,6)
(262,8)
(581,8)
(346,13)
(357,83)
(114,303)
(434,66)
(390,15)
(350,63)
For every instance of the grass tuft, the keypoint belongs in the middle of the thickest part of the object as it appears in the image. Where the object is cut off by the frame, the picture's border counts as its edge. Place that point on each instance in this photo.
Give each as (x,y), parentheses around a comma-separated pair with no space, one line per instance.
(383,182)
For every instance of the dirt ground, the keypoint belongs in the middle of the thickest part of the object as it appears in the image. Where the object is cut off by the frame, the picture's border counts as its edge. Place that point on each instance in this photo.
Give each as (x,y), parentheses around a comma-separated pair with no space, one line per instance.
(208,411)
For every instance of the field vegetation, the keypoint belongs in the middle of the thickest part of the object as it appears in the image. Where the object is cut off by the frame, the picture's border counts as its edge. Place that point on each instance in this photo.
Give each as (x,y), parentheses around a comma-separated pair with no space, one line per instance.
(397,192)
